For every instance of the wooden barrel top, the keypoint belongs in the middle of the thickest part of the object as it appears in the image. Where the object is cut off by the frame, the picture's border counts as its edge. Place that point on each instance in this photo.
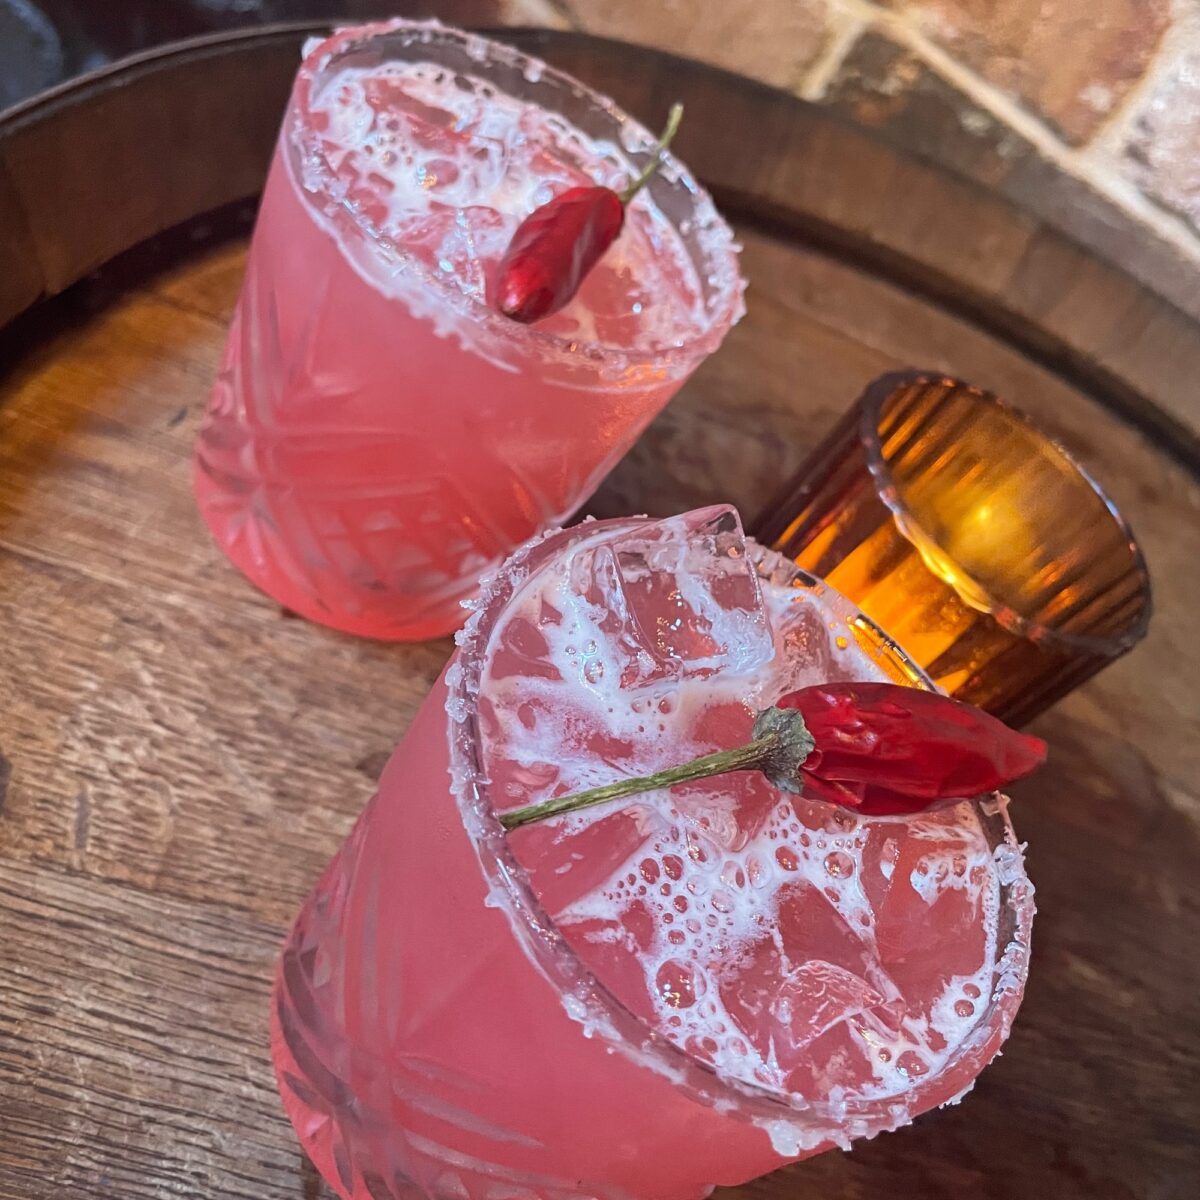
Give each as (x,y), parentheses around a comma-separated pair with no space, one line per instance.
(179,758)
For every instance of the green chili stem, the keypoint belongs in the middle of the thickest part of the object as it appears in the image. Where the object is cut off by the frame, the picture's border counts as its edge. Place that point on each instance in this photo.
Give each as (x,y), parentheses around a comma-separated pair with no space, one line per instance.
(750,757)
(673,119)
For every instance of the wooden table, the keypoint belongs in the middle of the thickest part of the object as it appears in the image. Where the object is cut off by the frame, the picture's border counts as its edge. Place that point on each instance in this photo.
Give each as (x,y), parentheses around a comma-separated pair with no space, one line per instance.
(180,758)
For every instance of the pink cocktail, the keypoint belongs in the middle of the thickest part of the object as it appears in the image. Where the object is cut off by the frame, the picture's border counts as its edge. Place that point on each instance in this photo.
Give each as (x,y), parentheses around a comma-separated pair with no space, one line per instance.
(379,435)
(646,999)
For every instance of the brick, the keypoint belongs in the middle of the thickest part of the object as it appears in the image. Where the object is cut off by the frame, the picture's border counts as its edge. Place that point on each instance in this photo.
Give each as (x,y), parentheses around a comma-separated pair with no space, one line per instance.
(1071,62)
(771,40)
(1163,153)
(887,87)
(891,90)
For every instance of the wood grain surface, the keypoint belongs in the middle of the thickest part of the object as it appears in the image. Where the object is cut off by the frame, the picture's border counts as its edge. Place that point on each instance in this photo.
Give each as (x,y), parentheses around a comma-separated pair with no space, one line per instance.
(180,758)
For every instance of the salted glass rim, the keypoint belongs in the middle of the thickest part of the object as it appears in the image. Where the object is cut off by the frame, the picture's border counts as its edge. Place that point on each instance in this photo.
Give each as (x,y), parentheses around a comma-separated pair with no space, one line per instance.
(590,1002)
(716,245)
(883,389)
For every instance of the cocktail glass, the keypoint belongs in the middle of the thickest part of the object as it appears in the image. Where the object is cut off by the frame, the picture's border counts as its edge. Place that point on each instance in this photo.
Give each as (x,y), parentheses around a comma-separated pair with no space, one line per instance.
(379,435)
(437,1032)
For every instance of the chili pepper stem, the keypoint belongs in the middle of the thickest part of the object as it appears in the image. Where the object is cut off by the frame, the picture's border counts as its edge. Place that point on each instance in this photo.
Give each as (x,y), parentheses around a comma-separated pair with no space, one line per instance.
(749,757)
(664,142)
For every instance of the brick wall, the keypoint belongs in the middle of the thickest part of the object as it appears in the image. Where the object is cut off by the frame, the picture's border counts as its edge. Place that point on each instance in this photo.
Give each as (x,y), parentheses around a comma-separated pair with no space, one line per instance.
(1105,92)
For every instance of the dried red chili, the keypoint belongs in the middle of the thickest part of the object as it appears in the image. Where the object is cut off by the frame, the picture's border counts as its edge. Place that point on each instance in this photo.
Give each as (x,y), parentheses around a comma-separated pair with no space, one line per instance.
(887,749)
(558,244)
(871,747)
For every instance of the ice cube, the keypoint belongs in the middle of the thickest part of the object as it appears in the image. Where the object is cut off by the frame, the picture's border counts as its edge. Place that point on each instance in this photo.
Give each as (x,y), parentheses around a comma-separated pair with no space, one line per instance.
(523,651)
(817,649)
(572,863)
(782,1008)
(732,815)
(678,598)
(925,880)
(612,949)
(793,993)
(813,998)
(810,927)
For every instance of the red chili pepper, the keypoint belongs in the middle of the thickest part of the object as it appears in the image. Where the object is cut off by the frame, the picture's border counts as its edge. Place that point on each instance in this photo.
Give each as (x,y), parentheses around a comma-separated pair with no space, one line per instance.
(553,250)
(881,748)
(558,244)
(874,748)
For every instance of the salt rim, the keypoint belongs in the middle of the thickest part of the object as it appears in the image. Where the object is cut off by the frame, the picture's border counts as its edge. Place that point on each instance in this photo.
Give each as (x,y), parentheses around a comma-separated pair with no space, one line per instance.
(795,1126)
(716,240)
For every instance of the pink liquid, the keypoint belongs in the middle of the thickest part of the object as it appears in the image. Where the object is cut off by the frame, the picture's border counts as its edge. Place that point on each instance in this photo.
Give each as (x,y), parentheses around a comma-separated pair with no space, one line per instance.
(378,436)
(731,978)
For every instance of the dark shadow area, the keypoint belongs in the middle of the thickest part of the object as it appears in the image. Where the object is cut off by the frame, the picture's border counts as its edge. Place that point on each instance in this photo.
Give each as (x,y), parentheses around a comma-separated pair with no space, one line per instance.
(30,337)
(44,42)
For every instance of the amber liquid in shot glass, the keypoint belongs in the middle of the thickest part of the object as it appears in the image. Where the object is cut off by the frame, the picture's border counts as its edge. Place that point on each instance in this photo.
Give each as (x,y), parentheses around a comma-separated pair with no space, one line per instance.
(975,540)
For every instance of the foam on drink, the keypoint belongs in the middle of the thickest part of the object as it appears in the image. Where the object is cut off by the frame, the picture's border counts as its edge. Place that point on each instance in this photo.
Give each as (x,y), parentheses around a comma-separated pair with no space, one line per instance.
(788,944)
(442,167)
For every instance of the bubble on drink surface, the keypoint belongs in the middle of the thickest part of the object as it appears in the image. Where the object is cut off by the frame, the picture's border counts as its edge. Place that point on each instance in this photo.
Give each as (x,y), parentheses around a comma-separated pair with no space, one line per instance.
(679,983)
(839,864)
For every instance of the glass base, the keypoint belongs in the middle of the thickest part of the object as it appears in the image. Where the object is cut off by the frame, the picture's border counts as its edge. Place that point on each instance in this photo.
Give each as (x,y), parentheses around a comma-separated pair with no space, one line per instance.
(363,607)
